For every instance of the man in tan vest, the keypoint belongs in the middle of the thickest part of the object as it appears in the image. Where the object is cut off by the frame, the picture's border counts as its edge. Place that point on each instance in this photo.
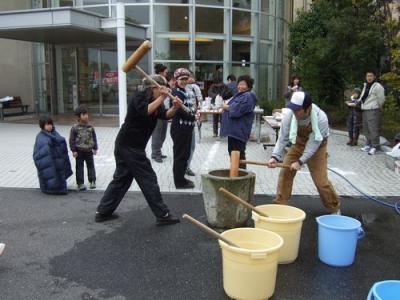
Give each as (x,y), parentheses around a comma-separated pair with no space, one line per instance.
(306,126)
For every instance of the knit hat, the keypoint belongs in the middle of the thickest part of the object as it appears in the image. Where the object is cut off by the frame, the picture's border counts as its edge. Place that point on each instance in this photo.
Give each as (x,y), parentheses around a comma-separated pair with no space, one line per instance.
(299,101)
(181,72)
(157,78)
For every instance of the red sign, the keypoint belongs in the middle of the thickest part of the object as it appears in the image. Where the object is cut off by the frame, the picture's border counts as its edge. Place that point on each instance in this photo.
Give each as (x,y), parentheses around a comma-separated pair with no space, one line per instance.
(111,77)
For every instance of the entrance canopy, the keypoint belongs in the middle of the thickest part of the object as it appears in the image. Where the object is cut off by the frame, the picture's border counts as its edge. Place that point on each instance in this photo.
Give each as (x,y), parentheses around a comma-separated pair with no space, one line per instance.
(63,25)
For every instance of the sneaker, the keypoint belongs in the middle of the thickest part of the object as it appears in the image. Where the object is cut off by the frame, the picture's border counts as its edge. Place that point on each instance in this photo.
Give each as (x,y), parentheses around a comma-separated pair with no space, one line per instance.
(158,159)
(168,219)
(189,172)
(99,217)
(92,185)
(338,213)
(372,151)
(2,246)
(81,187)
(366,148)
(187,185)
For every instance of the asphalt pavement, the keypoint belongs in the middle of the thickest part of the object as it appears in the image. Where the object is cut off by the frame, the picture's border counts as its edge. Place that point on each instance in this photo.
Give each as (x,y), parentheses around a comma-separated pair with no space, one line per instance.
(55,250)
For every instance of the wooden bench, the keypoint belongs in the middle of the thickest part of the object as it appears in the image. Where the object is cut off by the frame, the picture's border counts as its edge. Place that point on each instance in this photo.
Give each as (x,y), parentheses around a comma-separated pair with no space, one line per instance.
(14,104)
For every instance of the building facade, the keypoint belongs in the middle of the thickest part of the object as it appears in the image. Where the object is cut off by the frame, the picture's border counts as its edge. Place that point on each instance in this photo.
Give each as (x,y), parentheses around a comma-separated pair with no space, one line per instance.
(61,65)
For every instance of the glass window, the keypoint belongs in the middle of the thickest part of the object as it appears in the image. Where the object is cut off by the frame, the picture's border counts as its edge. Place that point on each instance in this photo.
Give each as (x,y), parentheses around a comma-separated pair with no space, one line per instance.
(173,1)
(171,18)
(263,27)
(98,10)
(242,3)
(206,71)
(209,20)
(173,66)
(209,49)
(68,78)
(241,23)
(211,2)
(137,14)
(265,5)
(136,1)
(266,53)
(88,79)
(271,27)
(241,51)
(92,2)
(172,48)
(240,69)
(262,90)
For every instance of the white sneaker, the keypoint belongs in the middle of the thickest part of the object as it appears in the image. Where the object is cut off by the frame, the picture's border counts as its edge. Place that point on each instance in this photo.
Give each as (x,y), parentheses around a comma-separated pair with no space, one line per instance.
(366,148)
(372,151)
(2,246)
(338,212)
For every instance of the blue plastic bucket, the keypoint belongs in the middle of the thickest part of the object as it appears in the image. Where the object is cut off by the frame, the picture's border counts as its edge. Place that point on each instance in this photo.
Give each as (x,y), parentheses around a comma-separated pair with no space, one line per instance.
(385,290)
(337,239)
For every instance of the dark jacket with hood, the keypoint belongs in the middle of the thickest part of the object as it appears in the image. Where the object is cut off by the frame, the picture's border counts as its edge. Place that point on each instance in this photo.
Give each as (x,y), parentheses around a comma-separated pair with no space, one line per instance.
(237,121)
(50,155)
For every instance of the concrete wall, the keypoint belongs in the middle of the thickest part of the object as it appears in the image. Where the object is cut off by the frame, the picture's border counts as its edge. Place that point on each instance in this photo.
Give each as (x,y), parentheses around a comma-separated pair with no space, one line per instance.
(16,62)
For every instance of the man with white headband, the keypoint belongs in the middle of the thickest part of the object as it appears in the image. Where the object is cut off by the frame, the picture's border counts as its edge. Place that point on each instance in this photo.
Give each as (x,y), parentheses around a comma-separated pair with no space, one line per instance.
(306,126)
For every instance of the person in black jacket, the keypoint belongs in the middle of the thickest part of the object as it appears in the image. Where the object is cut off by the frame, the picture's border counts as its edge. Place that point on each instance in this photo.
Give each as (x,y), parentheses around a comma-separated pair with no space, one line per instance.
(144,109)
(181,130)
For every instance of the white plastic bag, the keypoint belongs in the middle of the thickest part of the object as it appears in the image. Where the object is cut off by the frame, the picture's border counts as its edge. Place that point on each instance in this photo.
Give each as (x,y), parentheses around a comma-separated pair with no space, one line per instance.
(219,102)
(395,151)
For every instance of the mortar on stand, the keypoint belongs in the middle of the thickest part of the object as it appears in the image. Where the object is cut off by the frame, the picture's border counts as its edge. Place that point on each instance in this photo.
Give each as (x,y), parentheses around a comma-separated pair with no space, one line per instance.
(220,211)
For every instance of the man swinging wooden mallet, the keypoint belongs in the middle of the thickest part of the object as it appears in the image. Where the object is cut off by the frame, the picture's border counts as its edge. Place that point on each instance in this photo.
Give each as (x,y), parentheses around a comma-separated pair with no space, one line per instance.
(306,126)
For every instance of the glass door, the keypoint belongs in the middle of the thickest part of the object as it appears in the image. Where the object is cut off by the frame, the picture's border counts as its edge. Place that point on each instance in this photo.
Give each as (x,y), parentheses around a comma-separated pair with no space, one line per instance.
(67,80)
(89,85)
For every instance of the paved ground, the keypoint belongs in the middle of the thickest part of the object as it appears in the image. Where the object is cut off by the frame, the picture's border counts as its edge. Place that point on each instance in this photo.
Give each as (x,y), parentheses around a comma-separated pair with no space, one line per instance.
(367,172)
(56,251)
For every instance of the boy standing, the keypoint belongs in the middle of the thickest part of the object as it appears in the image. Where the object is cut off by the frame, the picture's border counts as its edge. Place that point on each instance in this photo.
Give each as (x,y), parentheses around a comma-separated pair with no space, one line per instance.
(83,144)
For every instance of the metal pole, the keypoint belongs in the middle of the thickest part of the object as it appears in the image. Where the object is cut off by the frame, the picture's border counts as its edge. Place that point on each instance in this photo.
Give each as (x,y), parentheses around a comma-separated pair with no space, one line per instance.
(122,94)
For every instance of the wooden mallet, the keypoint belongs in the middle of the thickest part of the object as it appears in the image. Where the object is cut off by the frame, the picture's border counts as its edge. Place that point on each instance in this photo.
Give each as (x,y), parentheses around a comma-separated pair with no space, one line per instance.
(209,230)
(239,200)
(133,60)
(236,161)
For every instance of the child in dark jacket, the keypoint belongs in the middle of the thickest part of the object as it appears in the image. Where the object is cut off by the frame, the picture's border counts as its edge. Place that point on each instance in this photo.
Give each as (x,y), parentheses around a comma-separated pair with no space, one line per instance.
(50,155)
(83,144)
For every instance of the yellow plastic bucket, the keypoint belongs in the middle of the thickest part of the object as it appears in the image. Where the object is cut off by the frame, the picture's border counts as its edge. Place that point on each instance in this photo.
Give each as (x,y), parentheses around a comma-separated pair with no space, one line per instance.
(287,222)
(250,272)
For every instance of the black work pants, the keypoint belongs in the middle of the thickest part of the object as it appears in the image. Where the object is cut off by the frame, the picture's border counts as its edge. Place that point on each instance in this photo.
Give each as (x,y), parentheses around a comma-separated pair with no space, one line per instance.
(84,156)
(216,120)
(132,164)
(182,139)
(237,145)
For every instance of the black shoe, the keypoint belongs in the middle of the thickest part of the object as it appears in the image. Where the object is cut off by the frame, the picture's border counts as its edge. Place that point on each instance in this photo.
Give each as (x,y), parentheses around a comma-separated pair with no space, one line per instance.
(163,156)
(167,220)
(187,185)
(189,172)
(158,159)
(102,217)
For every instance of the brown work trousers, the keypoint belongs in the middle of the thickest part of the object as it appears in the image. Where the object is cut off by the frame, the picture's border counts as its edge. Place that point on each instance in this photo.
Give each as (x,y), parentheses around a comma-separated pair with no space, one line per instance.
(317,165)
